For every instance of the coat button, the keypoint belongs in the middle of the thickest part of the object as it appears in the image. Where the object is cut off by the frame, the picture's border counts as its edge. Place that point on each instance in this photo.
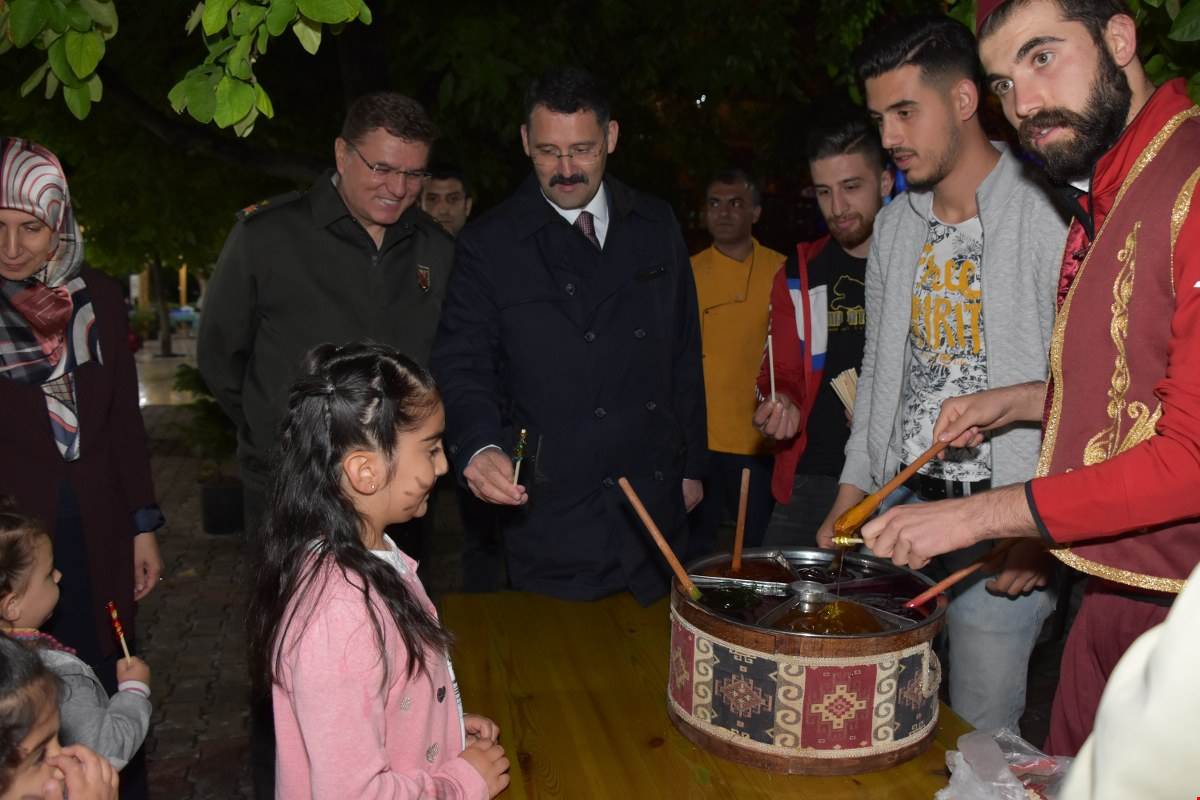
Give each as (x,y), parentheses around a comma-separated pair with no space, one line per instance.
(658,476)
(589,337)
(651,405)
(570,287)
(639,334)
(600,413)
(608,483)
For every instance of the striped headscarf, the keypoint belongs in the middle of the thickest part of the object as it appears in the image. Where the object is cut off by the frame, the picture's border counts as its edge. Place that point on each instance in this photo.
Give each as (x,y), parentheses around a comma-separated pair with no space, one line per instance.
(46,320)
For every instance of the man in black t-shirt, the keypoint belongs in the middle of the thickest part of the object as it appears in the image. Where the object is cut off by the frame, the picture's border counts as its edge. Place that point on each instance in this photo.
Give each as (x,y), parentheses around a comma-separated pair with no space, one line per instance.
(818,320)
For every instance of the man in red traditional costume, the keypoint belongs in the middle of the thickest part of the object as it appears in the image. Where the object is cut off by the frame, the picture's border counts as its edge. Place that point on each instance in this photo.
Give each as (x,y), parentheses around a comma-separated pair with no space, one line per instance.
(1115,495)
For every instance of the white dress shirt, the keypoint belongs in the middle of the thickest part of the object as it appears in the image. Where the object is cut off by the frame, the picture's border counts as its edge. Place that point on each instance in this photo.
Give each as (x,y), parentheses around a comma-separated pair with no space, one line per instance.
(598,208)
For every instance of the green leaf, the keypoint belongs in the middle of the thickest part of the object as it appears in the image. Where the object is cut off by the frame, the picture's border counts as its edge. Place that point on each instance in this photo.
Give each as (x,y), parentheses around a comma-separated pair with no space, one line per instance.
(218,48)
(1153,3)
(215,16)
(78,18)
(1186,27)
(238,62)
(264,38)
(201,99)
(280,15)
(60,64)
(193,19)
(33,80)
(1172,8)
(263,102)
(328,10)
(364,15)
(103,12)
(309,34)
(177,97)
(26,19)
(243,126)
(235,98)
(246,18)
(56,15)
(96,88)
(84,51)
(79,100)
(51,85)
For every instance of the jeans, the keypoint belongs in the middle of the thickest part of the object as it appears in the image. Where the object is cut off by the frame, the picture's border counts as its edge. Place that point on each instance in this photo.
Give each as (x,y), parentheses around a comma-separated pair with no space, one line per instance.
(796,524)
(990,638)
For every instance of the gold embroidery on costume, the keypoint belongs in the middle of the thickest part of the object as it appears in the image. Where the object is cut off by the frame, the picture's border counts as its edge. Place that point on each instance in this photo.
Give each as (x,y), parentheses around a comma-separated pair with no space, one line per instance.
(1050,436)
(1136,579)
(1179,212)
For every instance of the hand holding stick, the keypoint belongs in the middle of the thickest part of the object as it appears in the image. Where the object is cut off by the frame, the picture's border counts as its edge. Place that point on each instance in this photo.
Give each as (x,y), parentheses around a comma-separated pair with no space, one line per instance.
(848,523)
(740,535)
(120,631)
(656,534)
(956,576)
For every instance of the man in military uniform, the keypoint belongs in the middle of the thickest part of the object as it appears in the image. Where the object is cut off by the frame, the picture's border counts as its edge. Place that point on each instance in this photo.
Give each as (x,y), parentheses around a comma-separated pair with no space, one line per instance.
(351,258)
(572,314)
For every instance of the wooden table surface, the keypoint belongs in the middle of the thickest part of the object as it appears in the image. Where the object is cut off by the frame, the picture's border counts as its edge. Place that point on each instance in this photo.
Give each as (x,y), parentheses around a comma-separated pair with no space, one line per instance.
(579,692)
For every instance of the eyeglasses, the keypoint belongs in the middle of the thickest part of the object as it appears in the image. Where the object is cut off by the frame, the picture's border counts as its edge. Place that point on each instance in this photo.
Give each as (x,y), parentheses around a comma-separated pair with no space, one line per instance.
(584,154)
(385,171)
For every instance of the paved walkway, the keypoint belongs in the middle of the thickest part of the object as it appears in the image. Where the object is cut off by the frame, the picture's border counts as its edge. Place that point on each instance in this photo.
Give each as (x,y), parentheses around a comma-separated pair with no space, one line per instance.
(191,628)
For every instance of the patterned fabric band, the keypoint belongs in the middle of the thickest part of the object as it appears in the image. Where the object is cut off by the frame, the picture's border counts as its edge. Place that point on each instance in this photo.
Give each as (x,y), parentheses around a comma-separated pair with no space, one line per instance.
(799,706)
(46,320)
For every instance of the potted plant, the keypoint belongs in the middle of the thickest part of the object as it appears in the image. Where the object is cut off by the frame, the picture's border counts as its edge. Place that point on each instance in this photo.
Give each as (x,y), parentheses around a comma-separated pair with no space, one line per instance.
(212,437)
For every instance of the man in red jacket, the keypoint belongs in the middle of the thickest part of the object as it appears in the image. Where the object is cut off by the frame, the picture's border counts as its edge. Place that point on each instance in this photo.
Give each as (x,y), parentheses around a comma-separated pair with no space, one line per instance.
(817,322)
(1115,495)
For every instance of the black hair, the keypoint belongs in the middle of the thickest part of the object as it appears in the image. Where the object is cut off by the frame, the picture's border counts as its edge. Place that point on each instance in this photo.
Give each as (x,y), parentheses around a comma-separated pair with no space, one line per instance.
(942,47)
(844,133)
(446,172)
(734,175)
(1094,14)
(26,687)
(18,538)
(568,90)
(357,396)
(397,114)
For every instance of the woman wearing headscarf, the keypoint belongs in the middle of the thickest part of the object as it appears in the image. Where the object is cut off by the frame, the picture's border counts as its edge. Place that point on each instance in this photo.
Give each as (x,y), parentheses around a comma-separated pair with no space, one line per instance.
(72,442)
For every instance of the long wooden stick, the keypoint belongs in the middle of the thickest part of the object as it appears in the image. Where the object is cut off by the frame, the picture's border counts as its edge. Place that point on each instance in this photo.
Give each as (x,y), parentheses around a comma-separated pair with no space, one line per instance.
(659,540)
(956,576)
(740,535)
(771,365)
(848,523)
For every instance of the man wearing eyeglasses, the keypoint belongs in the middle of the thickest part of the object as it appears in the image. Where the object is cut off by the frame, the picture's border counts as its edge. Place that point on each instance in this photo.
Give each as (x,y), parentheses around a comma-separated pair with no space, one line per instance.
(571,314)
(351,258)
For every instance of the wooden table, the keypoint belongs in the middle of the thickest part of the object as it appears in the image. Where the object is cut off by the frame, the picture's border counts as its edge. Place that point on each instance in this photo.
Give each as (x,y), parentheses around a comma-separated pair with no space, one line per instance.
(579,692)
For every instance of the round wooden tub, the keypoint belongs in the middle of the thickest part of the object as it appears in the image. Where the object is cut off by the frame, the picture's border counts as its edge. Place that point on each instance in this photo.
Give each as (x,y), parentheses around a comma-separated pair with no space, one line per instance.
(816,704)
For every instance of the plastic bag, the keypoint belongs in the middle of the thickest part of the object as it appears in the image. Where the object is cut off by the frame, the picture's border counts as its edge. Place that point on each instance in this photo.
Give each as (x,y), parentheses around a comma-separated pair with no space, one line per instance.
(1000,765)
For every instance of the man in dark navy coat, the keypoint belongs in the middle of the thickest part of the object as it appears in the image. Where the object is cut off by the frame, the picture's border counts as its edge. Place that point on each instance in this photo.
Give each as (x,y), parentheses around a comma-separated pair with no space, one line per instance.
(571,313)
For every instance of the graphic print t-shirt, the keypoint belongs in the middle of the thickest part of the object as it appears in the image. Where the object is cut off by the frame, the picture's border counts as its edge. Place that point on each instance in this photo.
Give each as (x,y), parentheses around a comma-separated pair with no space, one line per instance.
(947,342)
(828,430)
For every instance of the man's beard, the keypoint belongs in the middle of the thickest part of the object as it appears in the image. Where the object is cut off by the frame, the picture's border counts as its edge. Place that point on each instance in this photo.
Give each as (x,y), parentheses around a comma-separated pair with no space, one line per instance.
(945,163)
(1096,129)
(855,236)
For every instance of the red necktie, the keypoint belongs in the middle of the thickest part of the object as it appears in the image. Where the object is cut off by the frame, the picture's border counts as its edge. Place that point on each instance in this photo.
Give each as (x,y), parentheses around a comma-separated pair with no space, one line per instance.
(587,227)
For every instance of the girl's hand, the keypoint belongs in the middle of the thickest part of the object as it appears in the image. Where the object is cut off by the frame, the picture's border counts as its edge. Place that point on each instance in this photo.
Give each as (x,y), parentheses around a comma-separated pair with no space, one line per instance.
(480,729)
(489,761)
(86,776)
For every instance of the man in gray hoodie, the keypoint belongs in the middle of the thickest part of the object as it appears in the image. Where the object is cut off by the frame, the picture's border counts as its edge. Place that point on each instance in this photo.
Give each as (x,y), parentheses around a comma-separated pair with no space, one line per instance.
(960,297)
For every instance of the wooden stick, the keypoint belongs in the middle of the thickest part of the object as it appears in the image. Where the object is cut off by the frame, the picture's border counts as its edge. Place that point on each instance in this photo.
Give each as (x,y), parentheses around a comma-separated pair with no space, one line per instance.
(120,631)
(954,577)
(771,365)
(740,535)
(659,540)
(848,523)
(519,455)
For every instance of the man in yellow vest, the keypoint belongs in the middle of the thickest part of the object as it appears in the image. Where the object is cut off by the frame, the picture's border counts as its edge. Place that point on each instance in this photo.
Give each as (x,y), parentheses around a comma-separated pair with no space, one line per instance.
(733,288)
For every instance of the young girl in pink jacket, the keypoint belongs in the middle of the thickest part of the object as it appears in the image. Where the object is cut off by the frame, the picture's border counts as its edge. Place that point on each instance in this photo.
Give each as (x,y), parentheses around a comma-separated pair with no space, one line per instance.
(365,702)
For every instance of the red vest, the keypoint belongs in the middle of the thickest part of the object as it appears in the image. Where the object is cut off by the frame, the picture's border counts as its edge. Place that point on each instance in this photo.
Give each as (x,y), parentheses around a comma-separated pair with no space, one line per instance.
(1109,351)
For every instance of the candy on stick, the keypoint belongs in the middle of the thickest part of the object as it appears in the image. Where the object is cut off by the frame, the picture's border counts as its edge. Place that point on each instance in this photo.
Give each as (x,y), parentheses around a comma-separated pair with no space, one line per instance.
(120,631)
(519,455)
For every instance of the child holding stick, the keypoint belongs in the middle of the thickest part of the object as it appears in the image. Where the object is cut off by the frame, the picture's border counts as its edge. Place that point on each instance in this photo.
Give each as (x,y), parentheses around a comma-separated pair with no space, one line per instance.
(365,701)
(113,727)
(33,765)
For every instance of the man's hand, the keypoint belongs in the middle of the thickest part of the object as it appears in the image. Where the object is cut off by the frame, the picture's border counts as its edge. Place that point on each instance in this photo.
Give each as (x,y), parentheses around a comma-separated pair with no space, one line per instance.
(147,564)
(490,478)
(1025,567)
(962,420)
(778,419)
(693,493)
(912,534)
(848,497)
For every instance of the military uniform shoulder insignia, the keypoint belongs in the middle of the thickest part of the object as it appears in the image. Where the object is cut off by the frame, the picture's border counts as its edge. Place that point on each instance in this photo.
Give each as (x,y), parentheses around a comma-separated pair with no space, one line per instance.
(271,202)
